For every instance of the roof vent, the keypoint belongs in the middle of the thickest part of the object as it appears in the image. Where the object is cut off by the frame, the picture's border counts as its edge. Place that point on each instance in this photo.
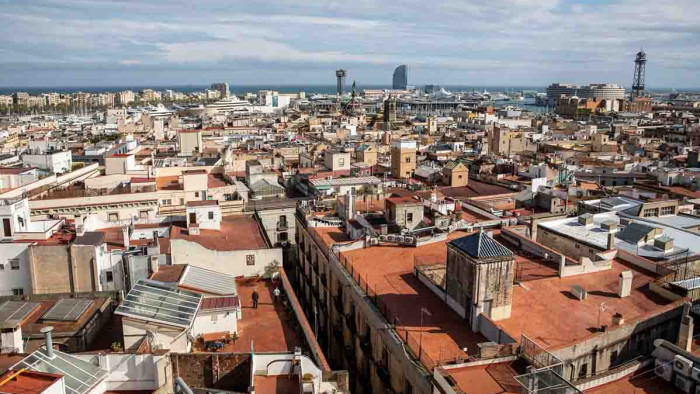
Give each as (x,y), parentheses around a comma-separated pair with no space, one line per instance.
(586,220)
(578,292)
(609,226)
(664,242)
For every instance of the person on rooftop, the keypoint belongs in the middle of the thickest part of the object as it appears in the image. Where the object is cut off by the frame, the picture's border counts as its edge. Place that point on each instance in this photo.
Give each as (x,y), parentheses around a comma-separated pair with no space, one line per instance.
(256,296)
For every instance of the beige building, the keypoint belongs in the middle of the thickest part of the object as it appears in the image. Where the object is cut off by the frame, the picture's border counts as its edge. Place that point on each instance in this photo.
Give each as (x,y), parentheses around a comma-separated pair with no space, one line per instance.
(190,141)
(455,174)
(337,161)
(403,158)
(507,142)
(367,154)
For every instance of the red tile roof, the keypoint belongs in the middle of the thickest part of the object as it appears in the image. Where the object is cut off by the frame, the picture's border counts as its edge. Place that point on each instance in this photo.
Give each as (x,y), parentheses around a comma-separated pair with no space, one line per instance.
(214,303)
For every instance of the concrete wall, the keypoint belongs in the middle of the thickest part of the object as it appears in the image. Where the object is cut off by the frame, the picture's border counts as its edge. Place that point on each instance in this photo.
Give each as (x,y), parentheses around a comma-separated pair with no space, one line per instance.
(232,263)
(15,279)
(215,321)
(165,337)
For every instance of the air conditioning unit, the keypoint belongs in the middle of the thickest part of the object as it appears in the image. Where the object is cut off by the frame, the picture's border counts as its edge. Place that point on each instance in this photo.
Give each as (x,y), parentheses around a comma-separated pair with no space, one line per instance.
(682,365)
(695,374)
(664,370)
(685,384)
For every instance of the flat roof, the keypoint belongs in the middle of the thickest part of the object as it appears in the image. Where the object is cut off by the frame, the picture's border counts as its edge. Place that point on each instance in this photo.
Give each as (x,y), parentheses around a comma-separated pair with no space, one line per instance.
(27,382)
(546,312)
(207,281)
(493,378)
(80,376)
(237,232)
(271,326)
(160,302)
(389,270)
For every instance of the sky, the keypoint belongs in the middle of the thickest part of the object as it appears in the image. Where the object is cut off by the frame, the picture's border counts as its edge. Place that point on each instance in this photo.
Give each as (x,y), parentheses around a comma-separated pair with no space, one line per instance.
(292,42)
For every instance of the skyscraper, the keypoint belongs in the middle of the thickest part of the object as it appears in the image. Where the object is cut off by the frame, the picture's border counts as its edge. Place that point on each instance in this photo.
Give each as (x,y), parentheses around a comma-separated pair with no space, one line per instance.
(222,88)
(400,77)
(340,76)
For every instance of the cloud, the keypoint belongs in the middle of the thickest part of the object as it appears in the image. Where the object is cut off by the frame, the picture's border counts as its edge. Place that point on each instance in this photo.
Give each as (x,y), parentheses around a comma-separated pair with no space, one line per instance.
(524,42)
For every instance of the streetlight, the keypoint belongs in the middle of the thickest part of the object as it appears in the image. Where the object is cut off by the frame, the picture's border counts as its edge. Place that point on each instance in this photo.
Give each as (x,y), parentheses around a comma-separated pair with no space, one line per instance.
(420,339)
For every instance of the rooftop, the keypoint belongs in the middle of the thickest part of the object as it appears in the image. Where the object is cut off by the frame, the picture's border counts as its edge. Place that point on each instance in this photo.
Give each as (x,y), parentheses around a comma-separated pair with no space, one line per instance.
(544,310)
(160,302)
(80,376)
(269,327)
(27,382)
(237,232)
(474,189)
(493,378)
(444,332)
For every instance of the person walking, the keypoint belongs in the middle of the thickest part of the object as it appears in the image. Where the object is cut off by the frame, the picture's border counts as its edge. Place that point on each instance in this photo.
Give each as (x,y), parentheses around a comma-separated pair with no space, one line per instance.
(255,298)
(276,292)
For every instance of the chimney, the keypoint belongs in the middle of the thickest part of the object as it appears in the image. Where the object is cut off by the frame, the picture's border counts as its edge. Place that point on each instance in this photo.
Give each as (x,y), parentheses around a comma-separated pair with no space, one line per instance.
(79,225)
(153,264)
(125,235)
(611,241)
(625,284)
(617,319)
(49,341)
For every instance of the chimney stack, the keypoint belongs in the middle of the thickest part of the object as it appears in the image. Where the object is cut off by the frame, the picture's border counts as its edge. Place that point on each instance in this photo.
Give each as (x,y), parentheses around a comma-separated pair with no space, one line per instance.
(49,341)
(153,264)
(125,235)
(625,284)
(611,241)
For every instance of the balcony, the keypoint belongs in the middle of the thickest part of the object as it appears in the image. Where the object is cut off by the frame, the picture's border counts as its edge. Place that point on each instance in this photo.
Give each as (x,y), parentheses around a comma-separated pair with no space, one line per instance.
(383,373)
(338,303)
(350,322)
(350,354)
(282,227)
(338,332)
(366,345)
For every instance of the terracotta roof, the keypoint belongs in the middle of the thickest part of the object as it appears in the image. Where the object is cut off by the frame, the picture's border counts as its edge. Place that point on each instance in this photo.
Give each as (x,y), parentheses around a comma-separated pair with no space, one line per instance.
(215,303)
(237,232)
(169,273)
(27,382)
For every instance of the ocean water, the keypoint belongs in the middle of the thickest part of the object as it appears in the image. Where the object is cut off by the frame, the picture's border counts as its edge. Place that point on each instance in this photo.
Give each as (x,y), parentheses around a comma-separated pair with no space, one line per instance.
(309,89)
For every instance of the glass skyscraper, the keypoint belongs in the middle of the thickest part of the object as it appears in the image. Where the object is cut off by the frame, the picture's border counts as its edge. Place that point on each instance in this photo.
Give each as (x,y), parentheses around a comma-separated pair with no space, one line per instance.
(400,77)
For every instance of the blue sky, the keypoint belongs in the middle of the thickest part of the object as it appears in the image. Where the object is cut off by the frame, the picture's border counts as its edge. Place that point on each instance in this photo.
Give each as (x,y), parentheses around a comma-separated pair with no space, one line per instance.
(452,42)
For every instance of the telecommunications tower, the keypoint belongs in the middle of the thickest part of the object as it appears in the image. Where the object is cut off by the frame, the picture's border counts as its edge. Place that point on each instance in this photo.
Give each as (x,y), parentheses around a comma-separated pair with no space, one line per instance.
(640,63)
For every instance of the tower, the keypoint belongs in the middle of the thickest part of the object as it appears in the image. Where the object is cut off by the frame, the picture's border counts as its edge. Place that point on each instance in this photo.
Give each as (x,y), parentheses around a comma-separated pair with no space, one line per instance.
(640,63)
(340,76)
(400,80)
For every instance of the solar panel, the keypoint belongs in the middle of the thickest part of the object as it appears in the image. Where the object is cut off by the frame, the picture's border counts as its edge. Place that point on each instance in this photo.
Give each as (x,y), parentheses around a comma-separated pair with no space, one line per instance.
(16,310)
(69,309)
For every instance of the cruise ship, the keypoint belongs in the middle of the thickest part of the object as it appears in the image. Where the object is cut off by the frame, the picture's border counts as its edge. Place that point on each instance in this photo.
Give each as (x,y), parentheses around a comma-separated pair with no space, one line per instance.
(229,106)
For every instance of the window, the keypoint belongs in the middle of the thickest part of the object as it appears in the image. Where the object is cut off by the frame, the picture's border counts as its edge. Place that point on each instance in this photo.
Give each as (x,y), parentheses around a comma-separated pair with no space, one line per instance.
(341,161)
(583,371)
(409,217)
(143,214)
(14,264)
(109,276)
(282,237)
(113,217)
(211,215)
(18,291)
(2,267)
(408,160)
(613,357)
(196,194)
(7,228)
(250,259)
(182,201)
(651,212)
(21,221)
(667,211)
(577,246)
(459,177)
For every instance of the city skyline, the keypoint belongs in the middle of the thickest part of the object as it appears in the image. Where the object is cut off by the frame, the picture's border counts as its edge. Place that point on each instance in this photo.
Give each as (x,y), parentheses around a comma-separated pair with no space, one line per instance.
(503,43)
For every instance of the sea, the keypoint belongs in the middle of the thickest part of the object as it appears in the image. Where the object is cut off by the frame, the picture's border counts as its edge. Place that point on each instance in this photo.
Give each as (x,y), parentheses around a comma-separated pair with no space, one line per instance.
(308,89)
